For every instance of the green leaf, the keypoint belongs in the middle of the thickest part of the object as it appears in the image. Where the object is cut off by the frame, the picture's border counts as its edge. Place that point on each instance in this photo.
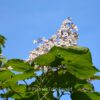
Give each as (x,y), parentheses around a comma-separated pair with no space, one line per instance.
(2,40)
(20,93)
(81,71)
(85,96)
(95,77)
(58,79)
(77,60)
(5,75)
(18,65)
(23,76)
(19,88)
(15,92)
(84,87)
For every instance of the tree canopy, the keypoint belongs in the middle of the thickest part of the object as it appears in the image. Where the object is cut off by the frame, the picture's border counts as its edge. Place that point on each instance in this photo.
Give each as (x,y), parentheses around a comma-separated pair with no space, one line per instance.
(70,71)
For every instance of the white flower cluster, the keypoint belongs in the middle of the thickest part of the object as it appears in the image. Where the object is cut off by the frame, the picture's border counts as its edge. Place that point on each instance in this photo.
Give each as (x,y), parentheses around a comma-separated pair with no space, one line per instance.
(67,35)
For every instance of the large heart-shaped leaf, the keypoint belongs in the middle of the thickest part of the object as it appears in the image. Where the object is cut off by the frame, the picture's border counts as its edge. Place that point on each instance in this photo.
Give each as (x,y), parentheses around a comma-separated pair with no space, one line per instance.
(77,60)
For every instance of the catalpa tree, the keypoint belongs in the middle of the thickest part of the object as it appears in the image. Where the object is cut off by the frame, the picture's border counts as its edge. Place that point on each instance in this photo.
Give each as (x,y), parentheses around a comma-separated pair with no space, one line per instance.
(57,67)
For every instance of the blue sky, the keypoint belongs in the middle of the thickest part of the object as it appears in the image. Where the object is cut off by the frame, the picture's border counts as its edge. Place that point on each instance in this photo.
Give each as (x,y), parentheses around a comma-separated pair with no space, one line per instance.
(23,20)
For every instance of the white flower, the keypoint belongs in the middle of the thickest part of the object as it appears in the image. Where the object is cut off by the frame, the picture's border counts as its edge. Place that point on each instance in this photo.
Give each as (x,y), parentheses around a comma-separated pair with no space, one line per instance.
(34,41)
(45,68)
(73,26)
(63,26)
(65,34)
(76,28)
(66,21)
(10,68)
(43,39)
(36,66)
(54,37)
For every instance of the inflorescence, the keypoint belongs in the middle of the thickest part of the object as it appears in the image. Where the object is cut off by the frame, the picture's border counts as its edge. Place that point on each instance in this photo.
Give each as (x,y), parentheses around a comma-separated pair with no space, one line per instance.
(67,35)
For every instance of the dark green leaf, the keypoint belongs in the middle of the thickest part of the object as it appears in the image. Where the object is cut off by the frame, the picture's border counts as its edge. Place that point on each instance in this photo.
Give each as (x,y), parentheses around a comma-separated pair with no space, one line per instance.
(85,96)
(2,40)
(95,77)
